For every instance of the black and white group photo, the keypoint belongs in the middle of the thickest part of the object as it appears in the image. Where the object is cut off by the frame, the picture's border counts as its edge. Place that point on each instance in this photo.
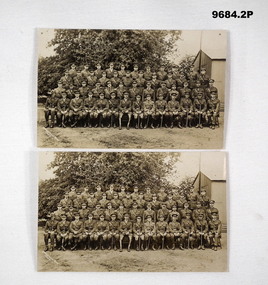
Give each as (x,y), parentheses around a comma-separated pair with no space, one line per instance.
(112,211)
(131,88)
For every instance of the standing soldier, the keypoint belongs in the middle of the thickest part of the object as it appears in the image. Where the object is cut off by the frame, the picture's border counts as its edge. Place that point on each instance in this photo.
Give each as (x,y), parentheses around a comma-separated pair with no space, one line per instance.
(192,77)
(97,212)
(197,90)
(110,70)
(137,108)
(85,71)
(127,201)
(77,80)
(76,109)
(204,78)
(83,213)
(200,110)
(163,90)
(135,194)
(120,212)
(161,232)
(211,89)
(174,211)
(147,75)
(187,109)
(185,210)
(201,229)
(101,231)
(184,89)
(113,234)
(91,79)
(50,232)
(101,107)
(115,201)
(192,198)
(110,192)
(57,214)
(88,234)
(103,80)
(122,193)
(211,210)
(98,71)
(149,212)
(203,198)
(148,111)
(134,91)
(83,90)
(135,73)
(70,214)
(50,110)
(66,80)
(162,195)
(134,212)
(155,204)
(97,90)
(70,91)
(103,202)
(173,112)
(148,196)
(148,91)
(140,81)
(125,229)
(188,237)
(213,110)
(65,203)
(57,91)
(155,84)
(173,90)
(76,230)
(170,202)
(63,110)
(198,210)
(125,108)
(108,90)
(149,232)
(170,81)
(174,232)
(163,212)
(162,74)
(63,232)
(91,202)
(120,90)
(115,79)
(127,80)
(140,201)
(113,110)
(215,227)
(72,71)
(89,111)
(181,200)
(109,211)
(138,232)
(122,71)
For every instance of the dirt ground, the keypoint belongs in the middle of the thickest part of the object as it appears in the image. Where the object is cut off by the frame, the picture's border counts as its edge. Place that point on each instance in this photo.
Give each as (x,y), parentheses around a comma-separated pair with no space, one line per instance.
(190,138)
(135,261)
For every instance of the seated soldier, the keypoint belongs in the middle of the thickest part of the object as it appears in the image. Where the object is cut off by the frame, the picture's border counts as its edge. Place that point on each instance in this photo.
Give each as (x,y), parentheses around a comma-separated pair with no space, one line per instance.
(134,212)
(113,110)
(213,111)
(109,211)
(192,198)
(188,236)
(127,201)
(148,112)
(113,234)
(115,201)
(50,110)
(198,210)
(174,232)
(89,110)
(101,231)
(63,108)
(137,108)
(76,230)
(148,196)
(50,232)
(200,110)
(201,230)
(149,212)
(76,109)
(162,195)
(120,212)
(149,232)
(88,232)
(125,230)
(163,211)
(160,111)
(63,232)
(161,232)
(173,114)
(185,210)
(83,213)
(97,212)
(187,110)
(214,227)
(110,192)
(125,107)
(138,232)
(211,210)
(203,198)
(101,109)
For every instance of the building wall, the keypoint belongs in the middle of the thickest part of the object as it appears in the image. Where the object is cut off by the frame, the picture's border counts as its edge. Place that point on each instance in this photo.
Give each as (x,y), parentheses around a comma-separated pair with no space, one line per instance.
(218,194)
(218,74)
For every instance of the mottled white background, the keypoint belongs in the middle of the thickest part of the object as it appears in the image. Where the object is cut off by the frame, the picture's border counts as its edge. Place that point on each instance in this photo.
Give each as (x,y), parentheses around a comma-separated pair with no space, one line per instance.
(246,137)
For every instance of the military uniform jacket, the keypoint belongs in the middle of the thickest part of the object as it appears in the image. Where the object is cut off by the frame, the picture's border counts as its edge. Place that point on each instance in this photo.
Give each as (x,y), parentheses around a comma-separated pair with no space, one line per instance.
(120,91)
(101,226)
(121,73)
(109,193)
(70,215)
(85,73)
(108,214)
(89,104)
(134,196)
(214,105)
(63,227)
(161,227)
(127,81)
(210,211)
(138,228)
(180,202)
(161,105)
(215,226)
(186,104)
(174,227)
(127,202)
(51,103)
(192,76)
(63,105)
(149,227)
(147,75)
(83,214)
(66,81)
(76,104)
(170,82)
(92,80)
(114,226)
(96,213)
(83,92)
(187,225)
(72,73)
(140,82)
(76,227)
(109,73)
(57,91)
(108,91)
(161,75)
(196,212)
(163,91)
(125,227)
(204,200)
(200,105)
(51,226)
(77,202)
(174,212)
(96,92)
(162,197)
(164,212)
(147,213)
(134,213)
(103,203)
(125,105)
(184,212)
(98,195)
(148,92)
(78,80)
(98,73)
(134,74)
(89,226)
(115,81)
(201,226)
(155,84)
(204,79)
(92,202)
(184,90)
(137,106)
(170,204)
(133,92)
(115,203)
(141,203)
(209,90)
(66,203)
(57,214)
(195,92)
(103,81)
(120,214)
(113,106)
(173,106)
(101,104)
(148,106)
(155,205)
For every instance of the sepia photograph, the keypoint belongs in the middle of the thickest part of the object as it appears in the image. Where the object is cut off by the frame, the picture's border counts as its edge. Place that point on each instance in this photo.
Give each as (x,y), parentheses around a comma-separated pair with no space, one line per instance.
(132,212)
(149,89)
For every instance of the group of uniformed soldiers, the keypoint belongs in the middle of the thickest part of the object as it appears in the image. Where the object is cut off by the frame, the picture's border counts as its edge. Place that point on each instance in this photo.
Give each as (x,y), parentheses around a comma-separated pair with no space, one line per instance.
(106,98)
(144,220)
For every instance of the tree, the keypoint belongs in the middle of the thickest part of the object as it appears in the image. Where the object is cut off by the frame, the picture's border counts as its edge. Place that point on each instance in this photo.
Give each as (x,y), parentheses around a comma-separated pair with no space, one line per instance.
(83,168)
(186,62)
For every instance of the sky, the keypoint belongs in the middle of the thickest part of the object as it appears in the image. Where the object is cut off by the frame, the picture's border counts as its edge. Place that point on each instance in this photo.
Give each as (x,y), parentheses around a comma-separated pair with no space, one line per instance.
(189,44)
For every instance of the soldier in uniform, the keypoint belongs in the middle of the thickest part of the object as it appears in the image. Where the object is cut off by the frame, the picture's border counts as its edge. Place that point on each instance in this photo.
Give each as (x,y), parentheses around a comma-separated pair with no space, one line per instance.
(76,230)
(161,232)
(140,81)
(98,71)
(103,201)
(213,111)
(91,79)
(57,91)
(110,70)
(192,76)
(215,227)
(148,196)
(188,236)
(170,202)
(115,201)
(160,111)
(174,232)
(125,108)
(109,211)
(76,109)
(88,233)
(155,84)
(98,193)
(155,204)
(174,211)
(192,198)
(173,112)
(162,195)
(140,201)
(57,214)
(70,91)
(185,210)
(125,229)
(163,211)
(149,212)
(138,233)
(110,192)
(109,90)
(203,78)
(135,73)
(134,212)
(89,111)
(115,79)
(149,232)
(120,90)
(91,202)
(127,201)
(83,213)
(181,200)
(211,89)
(201,230)
(50,231)
(122,193)
(200,110)
(162,74)
(113,234)
(97,90)
(163,90)
(77,80)
(203,198)
(70,213)
(147,75)
(97,212)
(148,112)
(85,71)
(113,110)
(173,90)
(137,108)
(66,202)
(103,80)
(50,110)
(184,89)
(63,232)
(120,212)
(198,89)
(135,194)
(83,90)
(198,210)
(127,80)
(148,91)
(187,109)
(211,210)
(101,231)
(101,107)
(170,81)
(72,71)
(134,91)
(122,71)
(66,80)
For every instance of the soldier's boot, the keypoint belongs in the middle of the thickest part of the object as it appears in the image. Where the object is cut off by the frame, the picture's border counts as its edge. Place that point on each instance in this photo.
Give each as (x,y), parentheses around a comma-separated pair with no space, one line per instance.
(120,245)
(109,242)
(171,122)
(135,123)
(142,246)
(199,244)
(96,242)
(129,245)
(173,243)
(101,121)
(47,124)
(181,244)
(120,123)
(179,123)
(190,123)
(128,124)
(192,244)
